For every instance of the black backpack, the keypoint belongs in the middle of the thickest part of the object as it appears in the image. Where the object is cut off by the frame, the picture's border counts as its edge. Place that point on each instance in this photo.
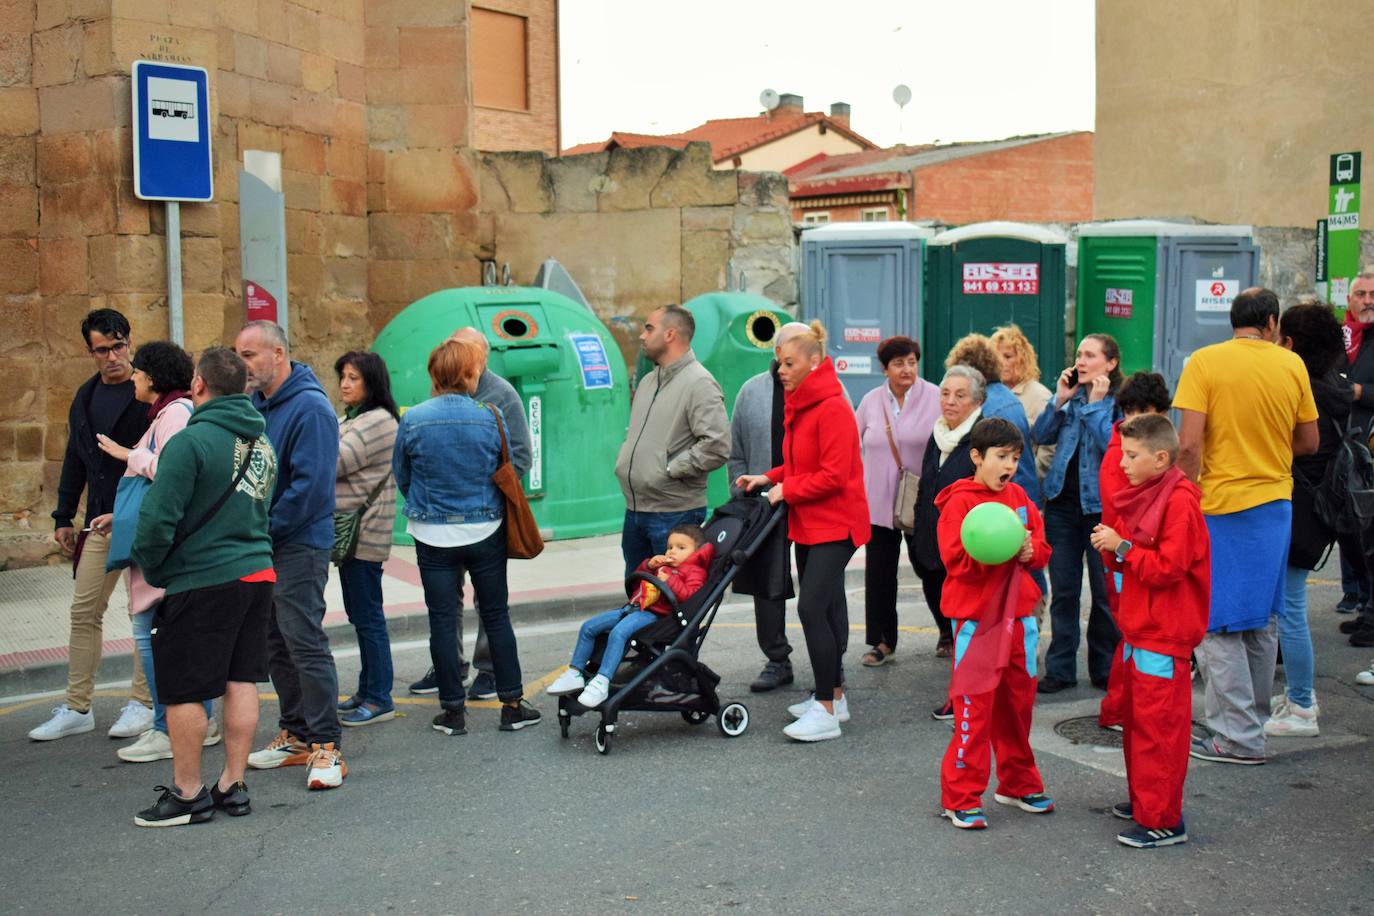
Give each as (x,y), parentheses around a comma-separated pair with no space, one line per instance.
(1344,498)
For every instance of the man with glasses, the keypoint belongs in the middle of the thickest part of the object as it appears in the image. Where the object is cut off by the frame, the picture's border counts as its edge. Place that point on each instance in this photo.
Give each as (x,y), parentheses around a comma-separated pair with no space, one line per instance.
(104,405)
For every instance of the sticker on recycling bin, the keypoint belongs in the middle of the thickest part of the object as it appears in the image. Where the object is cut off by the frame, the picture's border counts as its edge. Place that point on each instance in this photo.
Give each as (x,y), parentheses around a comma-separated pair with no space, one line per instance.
(592,361)
(854,365)
(1216,295)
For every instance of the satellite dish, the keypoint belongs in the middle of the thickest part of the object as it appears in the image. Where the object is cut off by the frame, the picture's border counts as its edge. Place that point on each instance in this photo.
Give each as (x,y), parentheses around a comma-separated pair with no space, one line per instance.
(901,95)
(769,99)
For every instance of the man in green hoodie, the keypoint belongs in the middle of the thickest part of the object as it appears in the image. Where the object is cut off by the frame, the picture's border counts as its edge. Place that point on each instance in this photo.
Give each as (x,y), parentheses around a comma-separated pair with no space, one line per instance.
(203,536)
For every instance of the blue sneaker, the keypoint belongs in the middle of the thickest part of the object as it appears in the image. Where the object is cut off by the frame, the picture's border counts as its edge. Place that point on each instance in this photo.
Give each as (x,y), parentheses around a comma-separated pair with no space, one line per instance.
(349,704)
(970,819)
(1143,838)
(366,714)
(1039,803)
(1123,810)
(483,687)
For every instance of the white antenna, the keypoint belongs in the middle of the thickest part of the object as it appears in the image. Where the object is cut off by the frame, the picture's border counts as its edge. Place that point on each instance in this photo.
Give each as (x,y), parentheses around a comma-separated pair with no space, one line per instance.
(769,99)
(901,94)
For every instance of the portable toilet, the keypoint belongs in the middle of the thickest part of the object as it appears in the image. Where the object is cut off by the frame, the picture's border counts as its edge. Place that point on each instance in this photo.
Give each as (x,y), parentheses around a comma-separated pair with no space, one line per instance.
(1161,289)
(568,372)
(985,275)
(864,282)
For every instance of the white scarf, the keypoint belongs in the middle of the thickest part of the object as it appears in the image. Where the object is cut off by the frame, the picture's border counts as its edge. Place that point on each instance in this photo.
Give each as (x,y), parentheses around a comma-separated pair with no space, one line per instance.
(946,439)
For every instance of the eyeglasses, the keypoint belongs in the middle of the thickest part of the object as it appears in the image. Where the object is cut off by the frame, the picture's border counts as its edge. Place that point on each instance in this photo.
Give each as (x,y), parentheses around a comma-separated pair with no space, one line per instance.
(103,352)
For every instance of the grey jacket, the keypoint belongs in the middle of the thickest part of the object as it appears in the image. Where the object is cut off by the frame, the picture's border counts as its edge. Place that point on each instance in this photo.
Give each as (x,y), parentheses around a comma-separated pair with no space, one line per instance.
(678,434)
(751,429)
(492,389)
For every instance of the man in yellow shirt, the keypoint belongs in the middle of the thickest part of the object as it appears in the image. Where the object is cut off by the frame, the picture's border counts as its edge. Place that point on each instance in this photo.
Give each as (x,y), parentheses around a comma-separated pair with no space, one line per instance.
(1246,409)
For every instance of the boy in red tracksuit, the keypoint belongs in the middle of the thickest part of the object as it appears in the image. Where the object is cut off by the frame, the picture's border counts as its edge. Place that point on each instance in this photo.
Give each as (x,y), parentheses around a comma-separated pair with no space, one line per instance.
(1162,550)
(992,609)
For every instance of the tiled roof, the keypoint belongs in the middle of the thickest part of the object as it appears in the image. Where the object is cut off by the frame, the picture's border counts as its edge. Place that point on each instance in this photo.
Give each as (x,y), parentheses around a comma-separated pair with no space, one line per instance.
(729,137)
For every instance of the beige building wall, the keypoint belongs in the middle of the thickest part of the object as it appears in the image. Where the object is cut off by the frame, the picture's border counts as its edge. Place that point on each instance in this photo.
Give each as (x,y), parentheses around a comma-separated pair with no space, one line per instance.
(787,151)
(1228,110)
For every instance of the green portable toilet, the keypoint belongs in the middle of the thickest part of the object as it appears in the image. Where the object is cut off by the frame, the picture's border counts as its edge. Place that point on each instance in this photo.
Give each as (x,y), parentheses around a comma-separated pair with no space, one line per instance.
(1161,289)
(569,374)
(985,275)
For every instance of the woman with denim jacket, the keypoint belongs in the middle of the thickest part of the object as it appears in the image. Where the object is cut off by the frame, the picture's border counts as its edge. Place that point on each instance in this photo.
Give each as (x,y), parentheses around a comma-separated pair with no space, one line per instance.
(1079,424)
(447,448)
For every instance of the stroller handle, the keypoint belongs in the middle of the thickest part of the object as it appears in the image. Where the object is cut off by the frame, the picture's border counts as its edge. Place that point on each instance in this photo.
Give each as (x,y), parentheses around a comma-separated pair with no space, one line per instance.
(640,575)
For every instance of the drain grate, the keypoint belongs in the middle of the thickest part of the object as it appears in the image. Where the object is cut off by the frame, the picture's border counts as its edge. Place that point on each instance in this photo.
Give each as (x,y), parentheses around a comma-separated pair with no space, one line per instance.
(1085,730)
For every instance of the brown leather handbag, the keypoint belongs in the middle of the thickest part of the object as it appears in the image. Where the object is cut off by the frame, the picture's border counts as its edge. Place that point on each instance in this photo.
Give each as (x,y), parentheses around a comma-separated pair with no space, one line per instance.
(523,540)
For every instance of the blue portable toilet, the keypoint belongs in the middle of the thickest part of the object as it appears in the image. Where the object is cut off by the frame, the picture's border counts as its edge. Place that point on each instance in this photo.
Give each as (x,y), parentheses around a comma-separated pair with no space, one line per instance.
(864,282)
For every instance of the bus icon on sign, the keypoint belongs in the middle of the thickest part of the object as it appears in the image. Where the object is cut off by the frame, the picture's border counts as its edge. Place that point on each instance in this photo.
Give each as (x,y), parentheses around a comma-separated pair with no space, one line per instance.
(163,108)
(1345,167)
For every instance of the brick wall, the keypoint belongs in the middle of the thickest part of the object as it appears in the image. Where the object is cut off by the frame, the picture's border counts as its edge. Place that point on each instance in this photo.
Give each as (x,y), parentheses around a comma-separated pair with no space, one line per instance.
(1049,181)
(538,128)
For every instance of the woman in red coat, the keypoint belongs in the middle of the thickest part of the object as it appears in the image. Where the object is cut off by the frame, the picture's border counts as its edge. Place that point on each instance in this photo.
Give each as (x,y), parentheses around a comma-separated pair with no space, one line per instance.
(822,480)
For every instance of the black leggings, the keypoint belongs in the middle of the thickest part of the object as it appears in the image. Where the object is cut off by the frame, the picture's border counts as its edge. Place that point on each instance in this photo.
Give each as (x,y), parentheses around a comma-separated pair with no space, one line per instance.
(933,587)
(823,610)
(880,583)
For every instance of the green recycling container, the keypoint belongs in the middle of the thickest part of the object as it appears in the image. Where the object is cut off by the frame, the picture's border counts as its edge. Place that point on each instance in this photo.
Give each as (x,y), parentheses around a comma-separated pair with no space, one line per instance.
(568,372)
(985,275)
(734,341)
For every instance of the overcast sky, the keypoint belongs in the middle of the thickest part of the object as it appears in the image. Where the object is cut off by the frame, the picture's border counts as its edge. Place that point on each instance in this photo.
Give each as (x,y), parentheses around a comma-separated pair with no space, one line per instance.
(977,69)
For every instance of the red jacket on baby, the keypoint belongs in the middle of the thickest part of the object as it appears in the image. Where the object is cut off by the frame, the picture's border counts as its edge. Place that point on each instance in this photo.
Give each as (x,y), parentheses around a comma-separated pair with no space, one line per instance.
(684,580)
(972,587)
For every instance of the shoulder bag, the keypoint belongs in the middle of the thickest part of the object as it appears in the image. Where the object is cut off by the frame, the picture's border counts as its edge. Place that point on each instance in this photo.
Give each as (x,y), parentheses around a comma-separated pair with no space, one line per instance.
(182,534)
(349,525)
(904,505)
(127,505)
(523,540)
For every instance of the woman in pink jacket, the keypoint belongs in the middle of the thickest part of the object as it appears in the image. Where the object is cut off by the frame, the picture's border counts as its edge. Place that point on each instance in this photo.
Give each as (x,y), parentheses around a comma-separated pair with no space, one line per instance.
(162,377)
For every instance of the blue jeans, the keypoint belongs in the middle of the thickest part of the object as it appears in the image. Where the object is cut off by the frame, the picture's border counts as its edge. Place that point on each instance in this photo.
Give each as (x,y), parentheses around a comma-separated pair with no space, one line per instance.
(1295,639)
(622,623)
(1067,529)
(298,655)
(645,534)
(143,642)
(361,581)
(441,574)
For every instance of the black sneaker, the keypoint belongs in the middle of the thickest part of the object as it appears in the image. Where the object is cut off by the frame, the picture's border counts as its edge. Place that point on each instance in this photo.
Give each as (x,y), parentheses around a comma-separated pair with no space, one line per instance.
(1123,810)
(1364,636)
(172,810)
(426,685)
(1143,838)
(773,676)
(1053,685)
(1349,603)
(1350,626)
(514,718)
(234,802)
(943,713)
(451,722)
(483,687)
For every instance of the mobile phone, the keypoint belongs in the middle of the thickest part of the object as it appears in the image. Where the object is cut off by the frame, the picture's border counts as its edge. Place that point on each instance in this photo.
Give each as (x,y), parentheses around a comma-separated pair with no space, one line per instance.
(1073,378)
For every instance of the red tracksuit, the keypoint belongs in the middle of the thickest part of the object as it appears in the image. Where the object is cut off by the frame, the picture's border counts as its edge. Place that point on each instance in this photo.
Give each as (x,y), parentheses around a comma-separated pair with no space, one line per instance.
(995,721)
(1110,481)
(1165,595)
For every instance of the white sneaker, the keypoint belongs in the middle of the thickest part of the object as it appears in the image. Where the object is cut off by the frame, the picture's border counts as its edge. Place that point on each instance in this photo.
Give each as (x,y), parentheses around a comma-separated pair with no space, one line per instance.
(1366,678)
(1294,722)
(213,735)
(1279,704)
(151,746)
(569,682)
(815,725)
(326,768)
(797,710)
(64,722)
(134,720)
(598,688)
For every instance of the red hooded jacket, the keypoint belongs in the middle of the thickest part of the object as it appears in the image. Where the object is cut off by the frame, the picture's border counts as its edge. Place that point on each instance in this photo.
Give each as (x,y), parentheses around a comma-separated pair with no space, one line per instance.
(822,470)
(684,580)
(1167,589)
(972,587)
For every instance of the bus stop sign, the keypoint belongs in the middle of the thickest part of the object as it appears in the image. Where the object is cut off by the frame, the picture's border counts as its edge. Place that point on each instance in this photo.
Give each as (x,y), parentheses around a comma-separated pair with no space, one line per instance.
(172,132)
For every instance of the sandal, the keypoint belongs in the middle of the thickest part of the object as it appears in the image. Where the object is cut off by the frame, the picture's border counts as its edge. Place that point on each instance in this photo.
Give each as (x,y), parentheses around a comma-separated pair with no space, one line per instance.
(876,657)
(945,647)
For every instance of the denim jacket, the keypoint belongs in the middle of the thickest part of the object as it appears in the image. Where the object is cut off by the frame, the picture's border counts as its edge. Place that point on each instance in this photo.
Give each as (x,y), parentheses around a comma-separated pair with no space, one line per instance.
(447,448)
(1076,424)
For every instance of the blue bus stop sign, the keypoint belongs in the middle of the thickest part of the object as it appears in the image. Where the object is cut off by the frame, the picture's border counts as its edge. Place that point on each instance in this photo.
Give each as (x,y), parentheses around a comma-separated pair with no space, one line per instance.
(172,132)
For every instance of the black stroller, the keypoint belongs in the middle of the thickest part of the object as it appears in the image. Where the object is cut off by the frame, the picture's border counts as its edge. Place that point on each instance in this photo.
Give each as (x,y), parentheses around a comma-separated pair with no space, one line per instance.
(662,671)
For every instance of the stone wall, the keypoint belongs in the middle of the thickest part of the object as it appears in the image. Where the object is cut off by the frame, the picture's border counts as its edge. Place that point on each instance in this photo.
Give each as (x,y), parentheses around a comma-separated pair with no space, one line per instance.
(637,228)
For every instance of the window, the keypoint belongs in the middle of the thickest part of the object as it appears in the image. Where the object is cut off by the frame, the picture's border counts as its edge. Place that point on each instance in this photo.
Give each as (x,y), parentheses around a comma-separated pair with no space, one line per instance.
(500,60)
(873,215)
(815,219)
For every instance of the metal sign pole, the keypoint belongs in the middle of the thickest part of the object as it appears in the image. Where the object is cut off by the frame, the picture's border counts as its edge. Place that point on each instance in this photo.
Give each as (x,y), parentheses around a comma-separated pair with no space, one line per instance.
(174,313)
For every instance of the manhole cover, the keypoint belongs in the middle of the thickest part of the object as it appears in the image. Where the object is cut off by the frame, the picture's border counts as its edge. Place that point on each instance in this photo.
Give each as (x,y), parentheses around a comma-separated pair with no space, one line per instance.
(1085,730)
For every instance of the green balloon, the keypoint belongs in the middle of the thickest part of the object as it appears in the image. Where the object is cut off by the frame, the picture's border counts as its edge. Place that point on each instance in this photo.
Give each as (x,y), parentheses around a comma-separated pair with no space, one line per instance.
(992,533)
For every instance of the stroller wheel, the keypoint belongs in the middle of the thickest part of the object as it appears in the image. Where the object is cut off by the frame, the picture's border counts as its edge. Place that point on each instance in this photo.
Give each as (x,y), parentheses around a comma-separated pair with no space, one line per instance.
(694,717)
(563,726)
(603,740)
(733,719)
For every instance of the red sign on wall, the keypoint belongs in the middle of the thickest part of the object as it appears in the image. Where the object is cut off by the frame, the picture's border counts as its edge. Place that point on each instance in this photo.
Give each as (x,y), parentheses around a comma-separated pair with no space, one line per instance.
(1002,279)
(1119,302)
(260,304)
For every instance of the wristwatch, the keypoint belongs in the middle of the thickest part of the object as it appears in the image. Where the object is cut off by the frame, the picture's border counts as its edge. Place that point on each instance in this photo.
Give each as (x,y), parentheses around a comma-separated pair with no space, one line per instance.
(1122,549)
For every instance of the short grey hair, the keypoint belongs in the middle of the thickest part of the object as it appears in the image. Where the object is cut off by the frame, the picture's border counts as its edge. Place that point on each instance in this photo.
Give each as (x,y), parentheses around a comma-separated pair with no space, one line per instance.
(977,385)
(474,335)
(272,331)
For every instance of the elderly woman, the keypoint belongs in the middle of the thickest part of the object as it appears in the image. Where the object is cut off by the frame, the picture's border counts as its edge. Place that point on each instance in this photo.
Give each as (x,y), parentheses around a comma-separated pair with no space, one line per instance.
(447,448)
(821,480)
(976,351)
(962,393)
(895,423)
(367,438)
(1079,425)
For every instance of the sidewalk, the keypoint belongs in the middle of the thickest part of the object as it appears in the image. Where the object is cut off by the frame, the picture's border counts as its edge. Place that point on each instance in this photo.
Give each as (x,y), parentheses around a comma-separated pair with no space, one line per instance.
(569,579)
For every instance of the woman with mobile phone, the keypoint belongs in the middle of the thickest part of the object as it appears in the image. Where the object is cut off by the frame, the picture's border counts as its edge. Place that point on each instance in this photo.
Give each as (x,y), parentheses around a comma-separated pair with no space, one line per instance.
(1079,425)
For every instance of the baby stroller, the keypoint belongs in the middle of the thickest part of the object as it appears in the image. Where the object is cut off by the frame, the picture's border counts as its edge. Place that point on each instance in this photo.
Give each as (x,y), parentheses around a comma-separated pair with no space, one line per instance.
(662,671)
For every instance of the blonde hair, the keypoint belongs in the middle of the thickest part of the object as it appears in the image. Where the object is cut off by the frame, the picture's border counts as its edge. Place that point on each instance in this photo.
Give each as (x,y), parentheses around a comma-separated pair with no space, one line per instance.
(1013,337)
(977,351)
(810,342)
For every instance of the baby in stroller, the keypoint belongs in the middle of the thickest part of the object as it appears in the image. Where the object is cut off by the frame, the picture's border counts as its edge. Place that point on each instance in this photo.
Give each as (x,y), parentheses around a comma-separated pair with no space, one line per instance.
(681,568)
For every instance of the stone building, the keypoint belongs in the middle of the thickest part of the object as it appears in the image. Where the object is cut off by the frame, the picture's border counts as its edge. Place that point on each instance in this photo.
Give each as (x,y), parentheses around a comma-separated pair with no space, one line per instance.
(393,118)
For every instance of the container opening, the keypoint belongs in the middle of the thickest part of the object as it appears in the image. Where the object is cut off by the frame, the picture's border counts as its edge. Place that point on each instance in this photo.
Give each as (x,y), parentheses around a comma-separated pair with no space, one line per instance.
(761,327)
(514,327)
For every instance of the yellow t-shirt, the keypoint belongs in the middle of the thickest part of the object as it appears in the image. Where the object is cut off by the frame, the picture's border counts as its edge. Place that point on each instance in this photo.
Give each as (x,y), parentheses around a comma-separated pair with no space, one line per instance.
(1254,393)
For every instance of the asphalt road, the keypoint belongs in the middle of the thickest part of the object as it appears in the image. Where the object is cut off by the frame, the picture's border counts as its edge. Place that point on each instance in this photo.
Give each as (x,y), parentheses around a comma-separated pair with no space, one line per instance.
(678,819)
